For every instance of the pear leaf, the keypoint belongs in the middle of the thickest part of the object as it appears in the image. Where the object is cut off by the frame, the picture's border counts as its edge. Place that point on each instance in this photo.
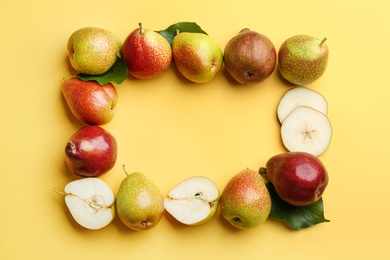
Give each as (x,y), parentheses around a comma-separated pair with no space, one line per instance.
(170,32)
(117,73)
(296,217)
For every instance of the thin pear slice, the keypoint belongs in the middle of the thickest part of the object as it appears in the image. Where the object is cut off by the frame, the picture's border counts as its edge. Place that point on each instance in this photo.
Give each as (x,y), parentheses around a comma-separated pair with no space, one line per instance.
(301,96)
(306,129)
(91,202)
(193,201)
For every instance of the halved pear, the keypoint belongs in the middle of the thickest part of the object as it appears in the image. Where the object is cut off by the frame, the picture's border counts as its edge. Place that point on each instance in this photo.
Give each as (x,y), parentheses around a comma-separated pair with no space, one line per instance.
(306,129)
(193,201)
(90,201)
(301,96)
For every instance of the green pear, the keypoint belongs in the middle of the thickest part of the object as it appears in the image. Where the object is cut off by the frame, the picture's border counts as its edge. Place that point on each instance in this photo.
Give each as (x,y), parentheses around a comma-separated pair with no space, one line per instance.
(250,57)
(93,51)
(139,203)
(303,59)
(245,202)
(197,56)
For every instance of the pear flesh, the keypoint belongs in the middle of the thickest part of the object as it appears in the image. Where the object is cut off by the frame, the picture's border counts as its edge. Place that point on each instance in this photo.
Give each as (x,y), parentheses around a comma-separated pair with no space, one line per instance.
(197,56)
(194,201)
(245,202)
(91,202)
(139,202)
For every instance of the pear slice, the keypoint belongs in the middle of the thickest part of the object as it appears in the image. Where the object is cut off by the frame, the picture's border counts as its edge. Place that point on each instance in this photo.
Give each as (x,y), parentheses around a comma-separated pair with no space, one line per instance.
(301,96)
(90,201)
(306,129)
(193,201)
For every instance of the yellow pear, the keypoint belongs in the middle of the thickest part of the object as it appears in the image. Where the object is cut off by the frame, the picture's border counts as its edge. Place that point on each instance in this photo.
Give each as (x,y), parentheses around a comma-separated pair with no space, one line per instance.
(197,56)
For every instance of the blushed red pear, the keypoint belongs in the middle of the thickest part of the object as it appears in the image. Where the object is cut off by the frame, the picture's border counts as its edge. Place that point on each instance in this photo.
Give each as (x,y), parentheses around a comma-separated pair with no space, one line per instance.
(299,178)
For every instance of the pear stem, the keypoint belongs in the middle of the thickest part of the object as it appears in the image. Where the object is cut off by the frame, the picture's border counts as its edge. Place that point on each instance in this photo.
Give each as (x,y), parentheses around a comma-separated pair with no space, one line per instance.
(124,169)
(322,42)
(140,28)
(177,31)
(60,192)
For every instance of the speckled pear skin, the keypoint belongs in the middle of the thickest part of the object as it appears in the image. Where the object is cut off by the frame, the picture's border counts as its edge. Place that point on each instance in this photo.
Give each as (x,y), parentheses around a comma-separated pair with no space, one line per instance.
(245,202)
(250,57)
(93,51)
(139,203)
(302,59)
(197,56)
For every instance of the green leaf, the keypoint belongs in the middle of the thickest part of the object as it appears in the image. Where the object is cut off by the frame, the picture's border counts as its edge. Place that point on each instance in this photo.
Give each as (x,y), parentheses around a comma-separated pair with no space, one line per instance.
(117,73)
(170,32)
(296,217)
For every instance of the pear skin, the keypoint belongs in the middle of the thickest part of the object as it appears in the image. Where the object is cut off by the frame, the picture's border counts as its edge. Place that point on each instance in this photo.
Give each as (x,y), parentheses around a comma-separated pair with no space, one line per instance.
(90,102)
(139,203)
(147,53)
(93,51)
(303,59)
(245,202)
(250,57)
(197,56)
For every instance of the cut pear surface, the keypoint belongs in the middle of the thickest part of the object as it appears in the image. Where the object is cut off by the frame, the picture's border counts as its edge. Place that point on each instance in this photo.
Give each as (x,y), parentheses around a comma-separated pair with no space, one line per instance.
(301,96)
(91,202)
(193,201)
(306,129)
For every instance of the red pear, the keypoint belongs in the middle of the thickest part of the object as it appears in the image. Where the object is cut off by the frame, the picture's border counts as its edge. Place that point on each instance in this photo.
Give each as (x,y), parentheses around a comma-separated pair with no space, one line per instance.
(91,151)
(146,53)
(299,178)
(90,102)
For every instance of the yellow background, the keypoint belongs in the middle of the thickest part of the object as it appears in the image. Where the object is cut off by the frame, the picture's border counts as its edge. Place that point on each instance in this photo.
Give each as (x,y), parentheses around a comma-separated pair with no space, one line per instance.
(171,129)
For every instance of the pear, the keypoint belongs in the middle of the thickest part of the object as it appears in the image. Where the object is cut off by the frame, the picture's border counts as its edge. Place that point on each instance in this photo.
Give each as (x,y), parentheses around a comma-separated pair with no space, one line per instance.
(301,96)
(299,178)
(194,201)
(139,202)
(245,202)
(91,151)
(147,53)
(303,59)
(90,102)
(197,56)
(250,57)
(90,201)
(93,51)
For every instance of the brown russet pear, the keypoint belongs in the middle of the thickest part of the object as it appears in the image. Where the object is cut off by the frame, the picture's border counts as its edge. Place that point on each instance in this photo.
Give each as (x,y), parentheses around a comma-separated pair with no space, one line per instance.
(90,102)
(139,203)
(245,202)
(92,50)
(197,56)
(303,59)
(250,57)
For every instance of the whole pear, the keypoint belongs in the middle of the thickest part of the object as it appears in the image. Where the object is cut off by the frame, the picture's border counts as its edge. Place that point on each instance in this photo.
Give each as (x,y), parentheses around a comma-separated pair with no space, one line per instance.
(139,203)
(197,56)
(147,53)
(90,102)
(299,178)
(91,151)
(303,59)
(93,51)
(250,57)
(245,202)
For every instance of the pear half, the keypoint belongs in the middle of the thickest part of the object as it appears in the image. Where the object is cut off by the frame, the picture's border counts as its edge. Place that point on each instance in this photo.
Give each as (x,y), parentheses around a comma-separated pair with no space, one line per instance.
(90,201)
(193,201)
